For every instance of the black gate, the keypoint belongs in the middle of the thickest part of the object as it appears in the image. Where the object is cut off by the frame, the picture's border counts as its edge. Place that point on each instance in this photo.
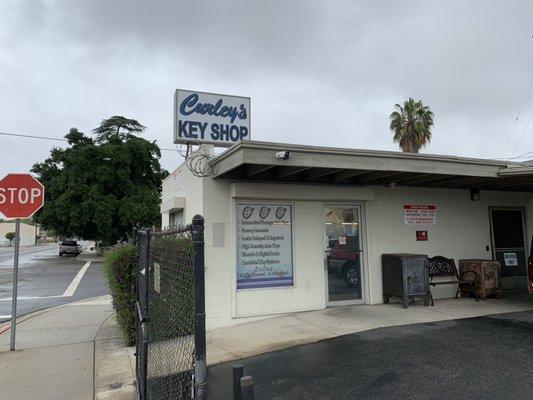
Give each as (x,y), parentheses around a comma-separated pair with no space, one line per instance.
(171,345)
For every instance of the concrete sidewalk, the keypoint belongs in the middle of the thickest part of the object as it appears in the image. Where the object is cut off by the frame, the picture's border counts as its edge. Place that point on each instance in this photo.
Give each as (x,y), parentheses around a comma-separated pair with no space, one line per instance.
(91,255)
(280,332)
(67,352)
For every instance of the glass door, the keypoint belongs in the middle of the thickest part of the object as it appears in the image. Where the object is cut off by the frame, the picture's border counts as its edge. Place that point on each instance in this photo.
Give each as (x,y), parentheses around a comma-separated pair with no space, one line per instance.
(343,255)
(509,245)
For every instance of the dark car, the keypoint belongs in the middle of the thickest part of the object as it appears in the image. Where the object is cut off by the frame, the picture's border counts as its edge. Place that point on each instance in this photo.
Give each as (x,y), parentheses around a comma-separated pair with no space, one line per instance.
(344,260)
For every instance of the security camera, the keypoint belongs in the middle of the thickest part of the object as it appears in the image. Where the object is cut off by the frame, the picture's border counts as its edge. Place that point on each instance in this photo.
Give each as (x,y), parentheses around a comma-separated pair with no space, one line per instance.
(283,155)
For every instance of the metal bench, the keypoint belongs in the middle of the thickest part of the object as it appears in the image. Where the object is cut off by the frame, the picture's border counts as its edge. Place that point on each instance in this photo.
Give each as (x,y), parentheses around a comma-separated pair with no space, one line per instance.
(440,266)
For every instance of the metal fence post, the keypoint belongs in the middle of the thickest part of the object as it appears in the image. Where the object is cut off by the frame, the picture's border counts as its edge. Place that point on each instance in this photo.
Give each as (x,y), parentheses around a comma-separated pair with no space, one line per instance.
(147,272)
(144,324)
(200,366)
(247,387)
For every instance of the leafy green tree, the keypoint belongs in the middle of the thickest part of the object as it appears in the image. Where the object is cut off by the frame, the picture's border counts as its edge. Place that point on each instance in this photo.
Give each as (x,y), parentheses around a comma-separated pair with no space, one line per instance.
(117,126)
(411,124)
(99,189)
(10,236)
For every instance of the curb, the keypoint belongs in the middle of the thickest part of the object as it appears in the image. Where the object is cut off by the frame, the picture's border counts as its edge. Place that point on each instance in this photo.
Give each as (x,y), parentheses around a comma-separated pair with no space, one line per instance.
(6,326)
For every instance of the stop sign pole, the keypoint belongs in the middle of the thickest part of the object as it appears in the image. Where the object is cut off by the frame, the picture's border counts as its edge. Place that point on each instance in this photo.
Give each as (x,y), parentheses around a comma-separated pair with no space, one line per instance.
(21,195)
(15,286)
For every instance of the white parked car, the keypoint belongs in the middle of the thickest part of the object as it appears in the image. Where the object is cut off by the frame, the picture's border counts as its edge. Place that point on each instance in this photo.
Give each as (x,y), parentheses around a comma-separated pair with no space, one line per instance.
(69,247)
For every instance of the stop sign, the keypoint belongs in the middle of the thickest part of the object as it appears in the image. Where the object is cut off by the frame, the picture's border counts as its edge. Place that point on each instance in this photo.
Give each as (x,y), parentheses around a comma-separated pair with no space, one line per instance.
(21,195)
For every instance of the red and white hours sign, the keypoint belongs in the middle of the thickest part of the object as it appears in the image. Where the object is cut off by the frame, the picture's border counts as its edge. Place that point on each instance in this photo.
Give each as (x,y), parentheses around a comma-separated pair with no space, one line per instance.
(419,214)
(21,195)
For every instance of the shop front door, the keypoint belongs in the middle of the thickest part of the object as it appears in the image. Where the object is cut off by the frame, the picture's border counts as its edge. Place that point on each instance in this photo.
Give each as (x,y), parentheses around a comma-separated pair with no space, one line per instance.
(509,246)
(343,254)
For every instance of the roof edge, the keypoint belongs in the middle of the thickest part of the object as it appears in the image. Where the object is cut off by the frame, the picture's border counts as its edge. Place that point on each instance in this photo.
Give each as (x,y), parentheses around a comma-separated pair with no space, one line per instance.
(261,145)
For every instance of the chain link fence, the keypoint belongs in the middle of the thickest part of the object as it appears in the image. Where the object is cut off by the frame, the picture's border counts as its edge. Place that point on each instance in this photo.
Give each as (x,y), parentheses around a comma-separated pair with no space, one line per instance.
(170,357)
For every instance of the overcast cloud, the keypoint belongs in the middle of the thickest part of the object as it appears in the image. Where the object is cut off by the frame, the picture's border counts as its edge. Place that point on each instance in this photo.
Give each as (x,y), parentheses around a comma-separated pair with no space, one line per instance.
(318,72)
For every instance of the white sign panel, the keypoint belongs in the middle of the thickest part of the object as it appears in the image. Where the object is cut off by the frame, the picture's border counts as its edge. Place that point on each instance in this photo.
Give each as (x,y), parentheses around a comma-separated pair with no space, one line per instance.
(210,118)
(264,245)
(157,277)
(417,214)
(510,259)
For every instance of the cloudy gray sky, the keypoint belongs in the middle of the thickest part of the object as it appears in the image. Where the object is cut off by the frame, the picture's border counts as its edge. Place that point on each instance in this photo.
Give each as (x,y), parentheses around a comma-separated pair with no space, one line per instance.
(318,72)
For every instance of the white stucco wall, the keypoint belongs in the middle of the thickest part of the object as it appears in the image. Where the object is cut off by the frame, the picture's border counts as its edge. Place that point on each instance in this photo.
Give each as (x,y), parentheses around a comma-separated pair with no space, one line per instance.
(27,233)
(462,228)
(182,184)
(462,231)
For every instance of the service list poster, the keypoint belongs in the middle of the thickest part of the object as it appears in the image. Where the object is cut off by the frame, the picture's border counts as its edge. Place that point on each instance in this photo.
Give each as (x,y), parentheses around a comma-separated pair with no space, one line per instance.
(264,245)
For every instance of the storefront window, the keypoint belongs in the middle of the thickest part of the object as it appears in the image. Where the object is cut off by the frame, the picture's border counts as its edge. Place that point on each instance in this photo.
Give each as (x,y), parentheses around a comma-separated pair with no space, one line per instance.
(176,218)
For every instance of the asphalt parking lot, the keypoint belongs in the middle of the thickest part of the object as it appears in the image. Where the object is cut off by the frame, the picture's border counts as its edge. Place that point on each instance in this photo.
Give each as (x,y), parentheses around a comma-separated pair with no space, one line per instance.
(476,358)
(47,280)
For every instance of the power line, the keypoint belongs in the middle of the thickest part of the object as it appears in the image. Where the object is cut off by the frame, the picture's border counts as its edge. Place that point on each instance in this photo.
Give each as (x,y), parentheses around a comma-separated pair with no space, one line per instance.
(522,135)
(33,136)
(517,117)
(59,139)
(529,153)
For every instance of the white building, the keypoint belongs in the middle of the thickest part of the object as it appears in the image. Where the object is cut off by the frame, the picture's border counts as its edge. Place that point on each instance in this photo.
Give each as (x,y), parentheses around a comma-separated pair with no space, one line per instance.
(28,234)
(306,204)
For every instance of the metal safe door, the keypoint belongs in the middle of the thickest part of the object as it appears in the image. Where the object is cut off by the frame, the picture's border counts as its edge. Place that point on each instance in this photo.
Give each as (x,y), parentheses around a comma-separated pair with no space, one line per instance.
(415,276)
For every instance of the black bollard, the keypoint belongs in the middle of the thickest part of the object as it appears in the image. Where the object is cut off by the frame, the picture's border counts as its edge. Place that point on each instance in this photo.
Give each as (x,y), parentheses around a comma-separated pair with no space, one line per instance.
(238,372)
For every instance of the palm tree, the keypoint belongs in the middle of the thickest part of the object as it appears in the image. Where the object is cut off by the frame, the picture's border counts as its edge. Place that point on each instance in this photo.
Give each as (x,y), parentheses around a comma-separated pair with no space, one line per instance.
(411,124)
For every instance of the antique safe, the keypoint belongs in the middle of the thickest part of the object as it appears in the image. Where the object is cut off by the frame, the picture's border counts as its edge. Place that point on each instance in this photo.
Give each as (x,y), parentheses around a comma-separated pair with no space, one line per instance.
(487,277)
(405,276)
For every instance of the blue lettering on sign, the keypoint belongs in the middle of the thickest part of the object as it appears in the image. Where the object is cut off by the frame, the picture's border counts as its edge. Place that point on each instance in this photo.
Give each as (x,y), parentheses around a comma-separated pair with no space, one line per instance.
(190,105)
(191,129)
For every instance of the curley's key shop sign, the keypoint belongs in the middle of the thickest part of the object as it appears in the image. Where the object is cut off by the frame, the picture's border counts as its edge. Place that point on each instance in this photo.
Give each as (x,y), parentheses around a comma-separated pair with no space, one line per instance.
(219,119)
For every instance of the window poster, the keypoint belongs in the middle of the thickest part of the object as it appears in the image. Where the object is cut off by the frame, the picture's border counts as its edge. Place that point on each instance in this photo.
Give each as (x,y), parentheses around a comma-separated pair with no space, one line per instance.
(264,245)
(510,259)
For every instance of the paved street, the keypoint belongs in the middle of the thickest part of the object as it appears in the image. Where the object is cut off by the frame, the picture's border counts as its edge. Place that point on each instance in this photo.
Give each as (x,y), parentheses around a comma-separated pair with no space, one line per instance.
(476,358)
(46,280)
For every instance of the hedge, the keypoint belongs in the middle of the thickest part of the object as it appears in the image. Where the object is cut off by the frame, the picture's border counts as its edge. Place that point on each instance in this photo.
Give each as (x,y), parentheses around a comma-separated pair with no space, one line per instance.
(120,270)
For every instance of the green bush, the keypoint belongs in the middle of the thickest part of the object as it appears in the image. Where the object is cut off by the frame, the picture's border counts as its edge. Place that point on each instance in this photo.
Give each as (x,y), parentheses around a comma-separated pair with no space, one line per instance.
(120,270)
(10,236)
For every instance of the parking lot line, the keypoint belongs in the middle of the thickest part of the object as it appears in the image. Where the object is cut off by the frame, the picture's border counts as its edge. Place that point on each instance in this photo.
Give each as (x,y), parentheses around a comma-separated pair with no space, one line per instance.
(76,281)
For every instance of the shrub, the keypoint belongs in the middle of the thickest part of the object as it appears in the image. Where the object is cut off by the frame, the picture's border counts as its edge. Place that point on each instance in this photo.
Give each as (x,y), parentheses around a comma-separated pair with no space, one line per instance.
(120,269)
(10,236)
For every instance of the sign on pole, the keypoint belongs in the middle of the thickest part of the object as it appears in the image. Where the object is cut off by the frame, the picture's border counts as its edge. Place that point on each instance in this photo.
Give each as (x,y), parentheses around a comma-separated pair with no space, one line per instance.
(21,196)
(219,119)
